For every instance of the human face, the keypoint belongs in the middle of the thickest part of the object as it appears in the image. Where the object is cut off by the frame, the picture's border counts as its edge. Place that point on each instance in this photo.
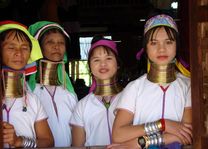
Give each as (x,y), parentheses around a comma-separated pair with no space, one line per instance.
(54,46)
(15,51)
(161,50)
(103,64)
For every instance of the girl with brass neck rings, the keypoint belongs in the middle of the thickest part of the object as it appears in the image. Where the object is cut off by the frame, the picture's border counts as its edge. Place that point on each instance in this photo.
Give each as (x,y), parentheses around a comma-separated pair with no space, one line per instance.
(24,119)
(155,109)
(93,117)
(51,83)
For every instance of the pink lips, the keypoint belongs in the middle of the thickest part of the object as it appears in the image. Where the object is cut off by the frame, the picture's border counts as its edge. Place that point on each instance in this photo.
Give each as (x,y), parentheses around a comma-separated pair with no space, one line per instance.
(162,57)
(103,70)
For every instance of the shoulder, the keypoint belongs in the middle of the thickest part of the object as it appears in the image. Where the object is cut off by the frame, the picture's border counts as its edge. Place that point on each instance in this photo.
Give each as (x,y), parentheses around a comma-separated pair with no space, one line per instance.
(84,103)
(33,99)
(38,88)
(117,96)
(182,83)
(31,96)
(182,79)
(88,98)
(69,94)
(137,82)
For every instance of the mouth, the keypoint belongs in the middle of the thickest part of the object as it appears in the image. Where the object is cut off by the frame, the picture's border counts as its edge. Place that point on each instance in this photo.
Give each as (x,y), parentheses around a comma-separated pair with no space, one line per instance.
(18,61)
(162,57)
(103,70)
(56,53)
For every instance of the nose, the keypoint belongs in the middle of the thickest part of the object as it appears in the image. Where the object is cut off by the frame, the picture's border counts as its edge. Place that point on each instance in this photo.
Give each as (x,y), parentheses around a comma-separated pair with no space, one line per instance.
(161,47)
(18,52)
(56,45)
(103,62)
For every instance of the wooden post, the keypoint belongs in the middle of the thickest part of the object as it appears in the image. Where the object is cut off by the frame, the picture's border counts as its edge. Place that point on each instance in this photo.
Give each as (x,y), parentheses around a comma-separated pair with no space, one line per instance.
(198,14)
(1,97)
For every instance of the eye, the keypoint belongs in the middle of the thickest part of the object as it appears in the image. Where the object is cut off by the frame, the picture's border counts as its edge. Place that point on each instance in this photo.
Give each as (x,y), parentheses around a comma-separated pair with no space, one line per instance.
(26,48)
(109,58)
(61,43)
(169,42)
(50,42)
(152,43)
(11,47)
(95,60)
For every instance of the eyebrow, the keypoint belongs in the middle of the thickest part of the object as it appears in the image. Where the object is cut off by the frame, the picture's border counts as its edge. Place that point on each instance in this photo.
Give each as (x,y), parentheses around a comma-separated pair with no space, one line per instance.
(94,57)
(165,39)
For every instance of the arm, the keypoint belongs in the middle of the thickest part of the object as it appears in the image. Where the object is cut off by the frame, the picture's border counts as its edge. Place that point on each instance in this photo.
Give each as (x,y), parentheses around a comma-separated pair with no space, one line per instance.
(132,144)
(187,121)
(183,129)
(43,133)
(44,136)
(78,136)
(123,130)
(187,116)
(9,135)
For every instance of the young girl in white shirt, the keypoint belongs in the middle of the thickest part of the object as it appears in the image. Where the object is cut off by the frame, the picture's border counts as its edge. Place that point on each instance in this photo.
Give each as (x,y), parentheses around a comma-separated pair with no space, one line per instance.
(93,117)
(155,109)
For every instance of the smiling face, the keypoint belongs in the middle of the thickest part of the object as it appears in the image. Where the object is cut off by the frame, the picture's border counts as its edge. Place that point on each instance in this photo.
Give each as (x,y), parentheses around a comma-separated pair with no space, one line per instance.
(53,46)
(15,50)
(160,48)
(103,63)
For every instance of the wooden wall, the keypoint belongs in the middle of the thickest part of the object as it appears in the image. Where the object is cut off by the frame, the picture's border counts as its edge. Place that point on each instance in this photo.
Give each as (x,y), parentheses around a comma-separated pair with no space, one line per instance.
(198,30)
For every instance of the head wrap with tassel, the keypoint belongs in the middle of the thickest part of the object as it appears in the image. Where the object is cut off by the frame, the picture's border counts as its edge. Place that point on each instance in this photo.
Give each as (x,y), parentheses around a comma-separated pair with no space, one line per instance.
(164,20)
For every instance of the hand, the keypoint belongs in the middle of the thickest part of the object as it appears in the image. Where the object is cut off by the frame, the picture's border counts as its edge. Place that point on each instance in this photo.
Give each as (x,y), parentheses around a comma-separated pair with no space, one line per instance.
(9,135)
(182,130)
(170,138)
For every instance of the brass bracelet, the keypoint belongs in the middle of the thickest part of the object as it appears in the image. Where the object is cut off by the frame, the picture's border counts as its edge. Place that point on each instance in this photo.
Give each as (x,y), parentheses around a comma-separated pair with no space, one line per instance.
(159,125)
(147,140)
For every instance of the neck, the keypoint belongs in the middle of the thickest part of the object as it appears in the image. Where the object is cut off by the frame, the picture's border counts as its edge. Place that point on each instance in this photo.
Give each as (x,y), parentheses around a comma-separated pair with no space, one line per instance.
(13,83)
(162,74)
(48,72)
(108,87)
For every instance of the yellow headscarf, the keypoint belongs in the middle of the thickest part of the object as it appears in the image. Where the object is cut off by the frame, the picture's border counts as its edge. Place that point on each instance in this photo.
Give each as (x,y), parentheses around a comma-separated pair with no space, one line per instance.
(35,51)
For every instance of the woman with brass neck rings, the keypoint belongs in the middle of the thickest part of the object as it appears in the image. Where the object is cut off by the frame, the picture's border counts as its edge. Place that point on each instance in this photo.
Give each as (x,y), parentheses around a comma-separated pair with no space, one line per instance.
(155,109)
(51,83)
(24,119)
(93,117)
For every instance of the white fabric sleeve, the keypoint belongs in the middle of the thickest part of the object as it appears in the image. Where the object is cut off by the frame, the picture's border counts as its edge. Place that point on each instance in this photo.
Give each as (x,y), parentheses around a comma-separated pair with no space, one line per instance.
(37,107)
(128,97)
(73,101)
(77,116)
